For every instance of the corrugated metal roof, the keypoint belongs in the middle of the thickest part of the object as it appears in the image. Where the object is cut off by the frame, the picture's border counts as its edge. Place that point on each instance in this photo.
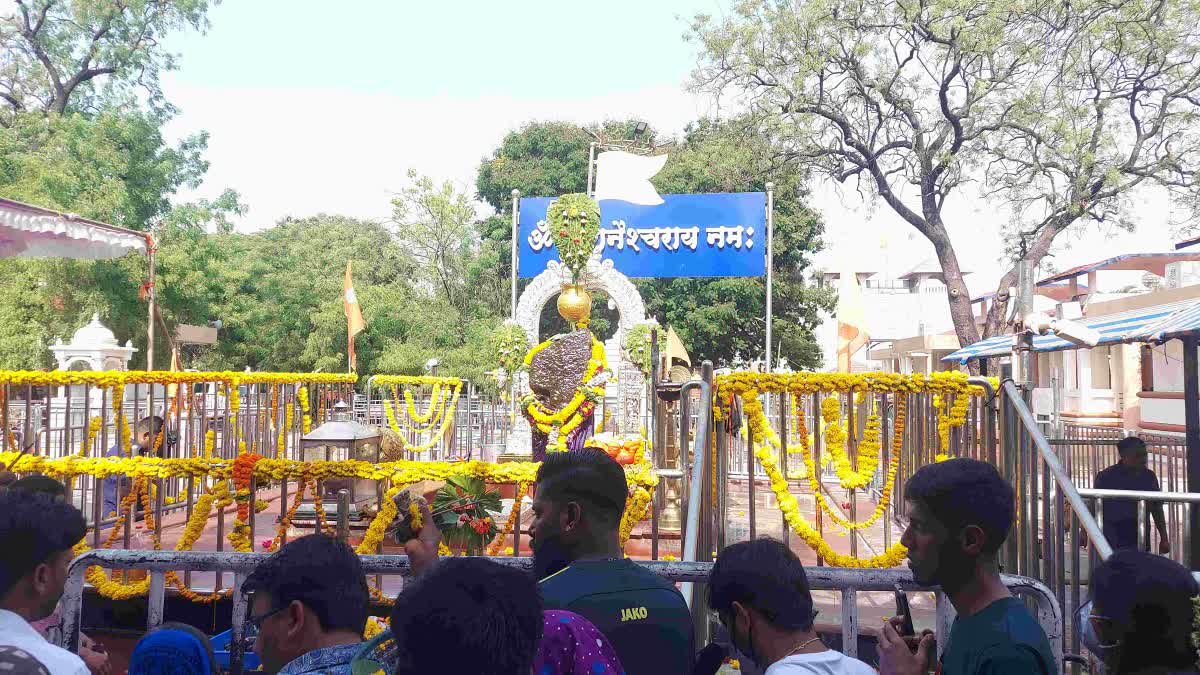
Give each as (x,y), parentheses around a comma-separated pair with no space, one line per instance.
(1113,328)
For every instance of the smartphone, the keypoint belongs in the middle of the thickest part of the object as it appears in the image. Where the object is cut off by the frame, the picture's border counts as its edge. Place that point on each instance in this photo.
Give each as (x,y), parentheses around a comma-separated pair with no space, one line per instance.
(902,609)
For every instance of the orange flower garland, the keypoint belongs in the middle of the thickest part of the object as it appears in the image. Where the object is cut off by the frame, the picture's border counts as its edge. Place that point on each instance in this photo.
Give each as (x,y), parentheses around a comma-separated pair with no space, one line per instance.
(513,517)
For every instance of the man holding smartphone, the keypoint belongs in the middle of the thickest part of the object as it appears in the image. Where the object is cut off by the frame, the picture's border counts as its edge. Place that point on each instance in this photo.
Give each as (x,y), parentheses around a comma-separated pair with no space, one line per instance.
(960,512)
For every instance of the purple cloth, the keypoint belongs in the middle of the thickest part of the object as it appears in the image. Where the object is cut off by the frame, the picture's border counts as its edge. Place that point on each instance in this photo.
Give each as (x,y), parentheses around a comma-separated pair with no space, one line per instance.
(571,645)
(575,439)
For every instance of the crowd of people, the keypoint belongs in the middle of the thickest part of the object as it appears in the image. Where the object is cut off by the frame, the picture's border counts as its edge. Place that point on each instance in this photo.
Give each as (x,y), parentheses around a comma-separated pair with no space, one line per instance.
(588,609)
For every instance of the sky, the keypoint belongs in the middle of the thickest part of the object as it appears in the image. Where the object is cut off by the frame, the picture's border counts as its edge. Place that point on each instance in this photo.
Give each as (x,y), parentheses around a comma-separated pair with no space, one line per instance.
(312,110)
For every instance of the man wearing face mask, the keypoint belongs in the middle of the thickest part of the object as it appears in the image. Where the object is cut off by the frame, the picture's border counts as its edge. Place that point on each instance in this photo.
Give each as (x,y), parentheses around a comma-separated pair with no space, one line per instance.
(578,503)
(960,512)
(1140,619)
(760,593)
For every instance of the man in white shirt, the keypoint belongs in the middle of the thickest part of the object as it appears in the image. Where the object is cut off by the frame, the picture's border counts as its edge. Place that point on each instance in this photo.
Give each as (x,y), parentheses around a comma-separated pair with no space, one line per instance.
(759,590)
(37,533)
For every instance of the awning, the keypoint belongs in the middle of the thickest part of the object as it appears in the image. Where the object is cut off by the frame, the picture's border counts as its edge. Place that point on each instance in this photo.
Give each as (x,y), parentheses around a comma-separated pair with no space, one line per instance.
(1185,321)
(33,232)
(1113,328)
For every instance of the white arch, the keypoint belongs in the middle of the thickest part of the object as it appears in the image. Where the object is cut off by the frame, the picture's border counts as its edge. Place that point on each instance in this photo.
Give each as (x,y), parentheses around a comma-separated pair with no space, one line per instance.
(598,276)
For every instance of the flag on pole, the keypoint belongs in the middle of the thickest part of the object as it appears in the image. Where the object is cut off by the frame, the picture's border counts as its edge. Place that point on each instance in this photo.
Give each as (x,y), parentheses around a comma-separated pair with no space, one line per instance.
(851,318)
(626,176)
(354,318)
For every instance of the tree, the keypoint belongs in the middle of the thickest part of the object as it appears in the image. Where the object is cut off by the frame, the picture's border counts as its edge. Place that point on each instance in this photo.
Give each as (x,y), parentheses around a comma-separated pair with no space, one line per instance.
(57,50)
(717,318)
(1058,109)
(434,223)
(723,319)
(112,166)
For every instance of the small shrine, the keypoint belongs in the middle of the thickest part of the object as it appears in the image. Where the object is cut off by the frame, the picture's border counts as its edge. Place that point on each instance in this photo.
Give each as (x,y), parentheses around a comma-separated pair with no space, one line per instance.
(621,386)
(93,347)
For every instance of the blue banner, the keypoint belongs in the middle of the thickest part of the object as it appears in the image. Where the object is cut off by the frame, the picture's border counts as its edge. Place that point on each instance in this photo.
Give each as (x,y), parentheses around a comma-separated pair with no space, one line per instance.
(706,235)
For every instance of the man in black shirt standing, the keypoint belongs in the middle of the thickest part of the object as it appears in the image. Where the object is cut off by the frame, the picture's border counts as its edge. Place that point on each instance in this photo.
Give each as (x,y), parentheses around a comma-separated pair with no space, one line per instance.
(1120,515)
(578,502)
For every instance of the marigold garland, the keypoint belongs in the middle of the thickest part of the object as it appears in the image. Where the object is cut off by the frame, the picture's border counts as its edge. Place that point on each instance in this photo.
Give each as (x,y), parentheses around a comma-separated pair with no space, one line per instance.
(89,438)
(888,483)
(378,527)
(440,412)
(513,516)
(635,511)
(221,471)
(120,378)
(790,508)
(306,418)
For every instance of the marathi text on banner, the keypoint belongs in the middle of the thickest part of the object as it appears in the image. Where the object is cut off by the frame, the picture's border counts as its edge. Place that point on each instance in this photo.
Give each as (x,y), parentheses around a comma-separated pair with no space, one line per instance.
(705,235)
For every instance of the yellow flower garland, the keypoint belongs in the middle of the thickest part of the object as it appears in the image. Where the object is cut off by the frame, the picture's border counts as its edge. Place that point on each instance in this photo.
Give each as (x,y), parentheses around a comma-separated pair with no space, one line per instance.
(835,442)
(790,508)
(888,484)
(89,438)
(120,378)
(513,515)
(143,469)
(635,510)
(378,527)
(748,387)
(447,418)
(306,419)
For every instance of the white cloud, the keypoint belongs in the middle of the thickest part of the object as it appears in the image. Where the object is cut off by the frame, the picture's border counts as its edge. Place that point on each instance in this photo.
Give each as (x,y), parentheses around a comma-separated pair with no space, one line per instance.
(303,151)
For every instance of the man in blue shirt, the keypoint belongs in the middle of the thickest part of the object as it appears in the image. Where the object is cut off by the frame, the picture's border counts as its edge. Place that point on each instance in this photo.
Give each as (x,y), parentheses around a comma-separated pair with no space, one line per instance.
(579,500)
(960,512)
(1120,515)
(116,487)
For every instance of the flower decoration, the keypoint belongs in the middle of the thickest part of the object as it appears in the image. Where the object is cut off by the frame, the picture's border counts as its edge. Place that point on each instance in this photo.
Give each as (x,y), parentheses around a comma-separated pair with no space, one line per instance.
(574,222)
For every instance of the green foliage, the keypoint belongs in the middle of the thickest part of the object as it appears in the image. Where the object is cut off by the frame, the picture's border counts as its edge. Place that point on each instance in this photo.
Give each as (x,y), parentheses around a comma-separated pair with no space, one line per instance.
(85,54)
(574,222)
(509,346)
(638,348)
(465,496)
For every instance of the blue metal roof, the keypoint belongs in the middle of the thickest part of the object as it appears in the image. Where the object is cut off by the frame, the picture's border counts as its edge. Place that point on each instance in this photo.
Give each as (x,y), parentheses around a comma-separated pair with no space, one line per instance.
(1113,328)
(1185,321)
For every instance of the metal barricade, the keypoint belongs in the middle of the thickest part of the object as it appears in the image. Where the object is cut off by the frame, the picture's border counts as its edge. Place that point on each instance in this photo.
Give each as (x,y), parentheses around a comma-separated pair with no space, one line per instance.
(847,581)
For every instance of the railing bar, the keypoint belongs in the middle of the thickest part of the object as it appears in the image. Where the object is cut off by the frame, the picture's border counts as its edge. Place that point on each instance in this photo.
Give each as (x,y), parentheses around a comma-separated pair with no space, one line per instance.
(157,596)
(850,622)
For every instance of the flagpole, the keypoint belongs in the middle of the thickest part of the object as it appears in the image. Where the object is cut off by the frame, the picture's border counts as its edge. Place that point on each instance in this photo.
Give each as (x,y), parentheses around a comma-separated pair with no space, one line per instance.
(591,167)
(770,263)
(516,210)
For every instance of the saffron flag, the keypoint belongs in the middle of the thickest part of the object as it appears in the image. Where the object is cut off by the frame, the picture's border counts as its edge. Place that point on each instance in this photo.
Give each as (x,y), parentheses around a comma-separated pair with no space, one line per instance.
(851,318)
(354,318)
(626,177)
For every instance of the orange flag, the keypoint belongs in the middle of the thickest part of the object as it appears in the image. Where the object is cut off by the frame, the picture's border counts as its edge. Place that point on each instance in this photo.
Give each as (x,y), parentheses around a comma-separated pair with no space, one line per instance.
(354,318)
(851,318)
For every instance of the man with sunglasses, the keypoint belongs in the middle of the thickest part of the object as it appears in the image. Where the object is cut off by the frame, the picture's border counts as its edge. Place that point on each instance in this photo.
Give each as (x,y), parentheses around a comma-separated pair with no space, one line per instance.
(308,606)
(578,503)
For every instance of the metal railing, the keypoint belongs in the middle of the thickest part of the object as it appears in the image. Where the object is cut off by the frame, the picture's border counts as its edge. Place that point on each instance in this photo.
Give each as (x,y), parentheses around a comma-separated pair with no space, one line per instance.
(1053,522)
(845,581)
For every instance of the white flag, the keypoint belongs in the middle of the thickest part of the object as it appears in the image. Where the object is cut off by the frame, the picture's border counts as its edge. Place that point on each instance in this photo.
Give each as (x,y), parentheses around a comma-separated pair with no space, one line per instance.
(626,176)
